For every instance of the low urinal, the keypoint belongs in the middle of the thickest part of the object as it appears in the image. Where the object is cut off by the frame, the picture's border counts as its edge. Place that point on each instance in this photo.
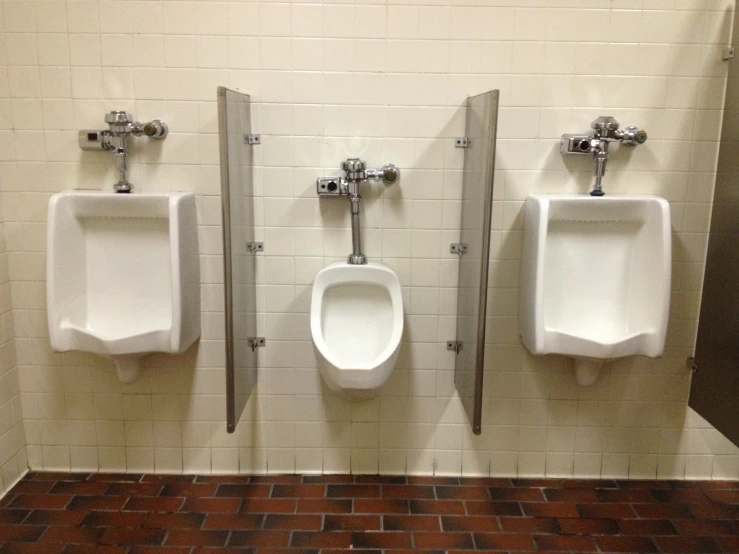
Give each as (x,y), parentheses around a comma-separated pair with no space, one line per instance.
(595,278)
(122,275)
(356,322)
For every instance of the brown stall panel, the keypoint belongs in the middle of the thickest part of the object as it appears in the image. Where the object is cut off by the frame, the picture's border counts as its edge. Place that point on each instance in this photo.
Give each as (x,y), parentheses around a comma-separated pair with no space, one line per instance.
(714,391)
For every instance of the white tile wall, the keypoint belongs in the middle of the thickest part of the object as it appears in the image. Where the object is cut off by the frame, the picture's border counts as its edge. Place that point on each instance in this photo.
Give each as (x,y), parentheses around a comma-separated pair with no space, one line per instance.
(13,461)
(383,80)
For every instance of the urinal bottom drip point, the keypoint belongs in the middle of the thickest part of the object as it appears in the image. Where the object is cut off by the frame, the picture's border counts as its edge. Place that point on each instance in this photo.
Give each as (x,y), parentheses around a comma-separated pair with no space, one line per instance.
(127,368)
(587,371)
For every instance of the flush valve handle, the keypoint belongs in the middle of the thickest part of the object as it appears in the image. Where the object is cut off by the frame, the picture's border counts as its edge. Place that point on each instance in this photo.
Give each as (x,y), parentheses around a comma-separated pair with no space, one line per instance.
(390,173)
(633,136)
(156,129)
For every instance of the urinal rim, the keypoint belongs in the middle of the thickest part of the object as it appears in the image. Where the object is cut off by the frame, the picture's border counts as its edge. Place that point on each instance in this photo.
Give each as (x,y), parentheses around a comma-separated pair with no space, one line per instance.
(396,299)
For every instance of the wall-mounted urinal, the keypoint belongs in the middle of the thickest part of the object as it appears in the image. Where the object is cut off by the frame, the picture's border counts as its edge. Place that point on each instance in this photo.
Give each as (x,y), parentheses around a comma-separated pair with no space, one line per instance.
(123,275)
(595,278)
(356,323)
(356,310)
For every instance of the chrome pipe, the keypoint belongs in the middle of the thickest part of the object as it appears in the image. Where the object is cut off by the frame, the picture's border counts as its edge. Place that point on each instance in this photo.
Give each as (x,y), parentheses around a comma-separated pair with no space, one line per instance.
(600,159)
(356,257)
(120,154)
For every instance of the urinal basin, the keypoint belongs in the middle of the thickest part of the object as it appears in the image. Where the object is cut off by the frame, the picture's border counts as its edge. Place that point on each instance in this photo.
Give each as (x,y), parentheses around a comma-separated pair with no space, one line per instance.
(122,274)
(356,326)
(595,276)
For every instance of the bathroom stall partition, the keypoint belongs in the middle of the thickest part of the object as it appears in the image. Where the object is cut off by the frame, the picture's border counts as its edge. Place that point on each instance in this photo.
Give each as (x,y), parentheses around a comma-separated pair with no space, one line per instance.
(481,123)
(714,388)
(239,247)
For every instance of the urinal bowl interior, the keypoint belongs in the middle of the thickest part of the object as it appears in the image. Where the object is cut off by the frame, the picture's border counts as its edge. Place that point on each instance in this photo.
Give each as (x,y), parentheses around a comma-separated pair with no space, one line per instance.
(110,301)
(356,322)
(600,278)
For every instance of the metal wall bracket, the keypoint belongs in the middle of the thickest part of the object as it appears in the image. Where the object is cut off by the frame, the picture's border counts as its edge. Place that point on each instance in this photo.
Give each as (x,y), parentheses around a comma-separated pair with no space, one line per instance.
(454,345)
(462,142)
(727,53)
(458,248)
(256,342)
(691,365)
(252,139)
(254,247)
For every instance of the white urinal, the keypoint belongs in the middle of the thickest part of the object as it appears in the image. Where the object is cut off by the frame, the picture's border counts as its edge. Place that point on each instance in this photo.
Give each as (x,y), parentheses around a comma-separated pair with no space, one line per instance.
(356,321)
(595,278)
(123,275)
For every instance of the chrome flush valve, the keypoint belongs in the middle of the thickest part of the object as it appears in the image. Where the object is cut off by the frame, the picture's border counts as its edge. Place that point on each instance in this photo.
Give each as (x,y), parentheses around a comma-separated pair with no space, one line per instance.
(121,126)
(605,130)
(355,171)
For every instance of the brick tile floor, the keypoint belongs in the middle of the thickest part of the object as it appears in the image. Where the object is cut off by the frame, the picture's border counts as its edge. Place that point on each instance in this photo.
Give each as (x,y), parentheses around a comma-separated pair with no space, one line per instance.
(60,513)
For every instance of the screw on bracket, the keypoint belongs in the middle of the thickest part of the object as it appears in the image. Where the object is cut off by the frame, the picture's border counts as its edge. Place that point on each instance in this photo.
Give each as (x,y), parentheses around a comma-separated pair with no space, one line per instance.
(458,248)
(256,342)
(691,365)
(252,139)
(454,345)
(255,247)
(462,142)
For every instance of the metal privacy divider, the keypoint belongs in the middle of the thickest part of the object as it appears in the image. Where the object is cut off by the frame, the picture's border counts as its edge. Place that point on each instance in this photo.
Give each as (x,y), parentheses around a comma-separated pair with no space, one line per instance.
(481,125)
(239,250)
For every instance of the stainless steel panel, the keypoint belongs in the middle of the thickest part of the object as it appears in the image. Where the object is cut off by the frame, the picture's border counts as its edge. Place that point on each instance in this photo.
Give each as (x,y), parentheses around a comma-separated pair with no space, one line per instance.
(237,194)
(477,205)
(715,386)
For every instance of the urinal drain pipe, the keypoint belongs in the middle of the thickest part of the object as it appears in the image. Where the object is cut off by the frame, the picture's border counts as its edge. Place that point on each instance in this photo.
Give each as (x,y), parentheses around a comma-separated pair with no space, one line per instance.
(356,257)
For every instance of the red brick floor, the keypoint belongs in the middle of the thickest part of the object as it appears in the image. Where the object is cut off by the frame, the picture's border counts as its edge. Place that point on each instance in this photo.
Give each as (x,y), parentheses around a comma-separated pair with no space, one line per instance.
(53,513)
